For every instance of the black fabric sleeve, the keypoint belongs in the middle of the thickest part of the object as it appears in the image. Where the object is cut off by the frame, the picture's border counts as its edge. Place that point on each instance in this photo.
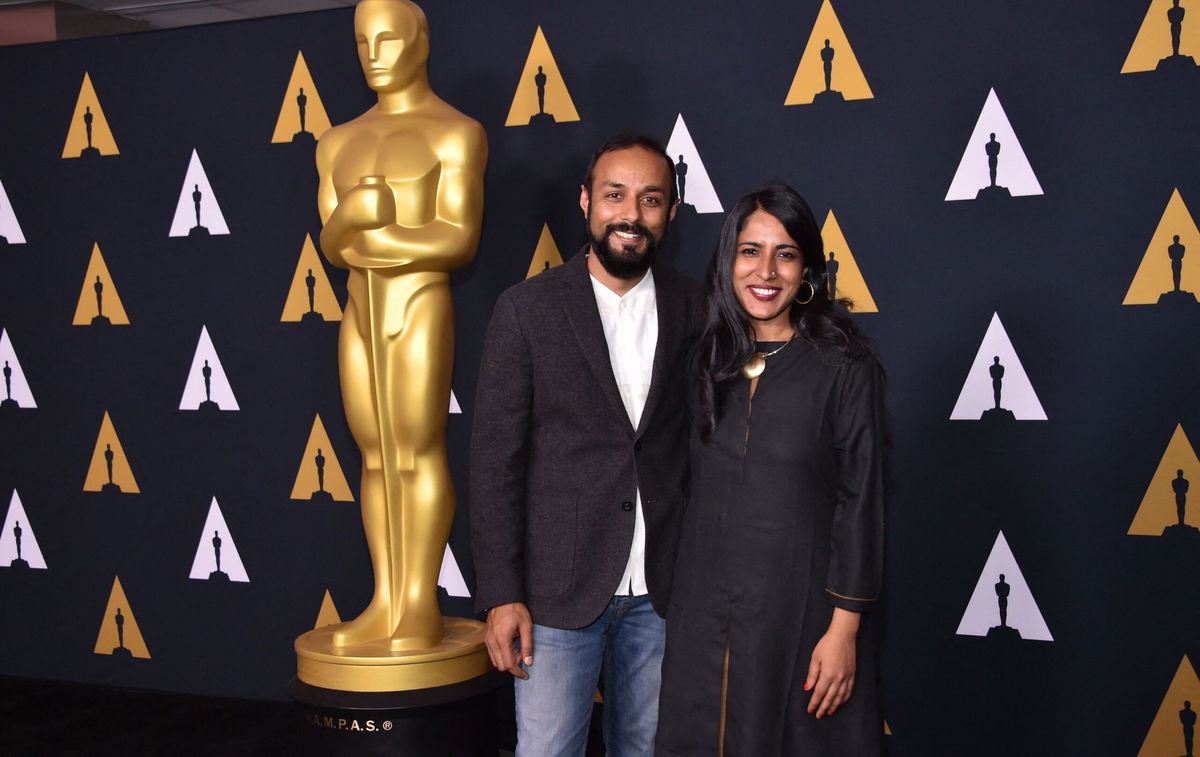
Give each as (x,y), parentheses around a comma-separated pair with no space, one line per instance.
(500,442)
(856,555)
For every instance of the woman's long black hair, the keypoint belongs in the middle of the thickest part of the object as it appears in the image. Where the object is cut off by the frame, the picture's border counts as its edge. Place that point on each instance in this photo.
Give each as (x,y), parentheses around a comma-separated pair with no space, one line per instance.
(727,341)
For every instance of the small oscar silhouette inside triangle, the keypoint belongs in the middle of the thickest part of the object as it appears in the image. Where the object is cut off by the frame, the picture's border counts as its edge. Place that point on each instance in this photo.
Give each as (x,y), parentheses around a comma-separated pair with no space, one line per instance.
(109,472)
(1167,276)
(19,548)
(843,278)
(1173,731)
(828,71)
(541,98)
(1169,508)
(119,634)
(320,478)
(16,388)
(694,187)
(10,230)
(99,303)
(89,136)
(302,117)
(310,298)
(1002,606)
(545,255)
(1166,41)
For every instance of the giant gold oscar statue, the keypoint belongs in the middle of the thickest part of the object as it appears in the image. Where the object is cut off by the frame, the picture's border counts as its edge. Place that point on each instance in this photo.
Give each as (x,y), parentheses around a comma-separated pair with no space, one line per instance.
(401,199)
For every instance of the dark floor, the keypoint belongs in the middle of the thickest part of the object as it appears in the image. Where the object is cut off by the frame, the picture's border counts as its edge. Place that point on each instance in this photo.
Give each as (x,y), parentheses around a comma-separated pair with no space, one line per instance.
(53,718)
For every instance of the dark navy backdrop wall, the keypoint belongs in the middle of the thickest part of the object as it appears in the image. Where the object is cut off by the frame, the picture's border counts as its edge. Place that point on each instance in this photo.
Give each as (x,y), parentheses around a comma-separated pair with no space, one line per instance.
(1115,614)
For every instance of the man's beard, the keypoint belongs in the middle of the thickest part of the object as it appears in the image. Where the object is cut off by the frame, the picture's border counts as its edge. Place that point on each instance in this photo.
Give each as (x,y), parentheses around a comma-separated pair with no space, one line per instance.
(624,263)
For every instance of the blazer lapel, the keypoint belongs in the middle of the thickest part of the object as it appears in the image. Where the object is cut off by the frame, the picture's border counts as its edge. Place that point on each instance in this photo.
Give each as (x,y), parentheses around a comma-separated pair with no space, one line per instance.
(669,300)
(579,302)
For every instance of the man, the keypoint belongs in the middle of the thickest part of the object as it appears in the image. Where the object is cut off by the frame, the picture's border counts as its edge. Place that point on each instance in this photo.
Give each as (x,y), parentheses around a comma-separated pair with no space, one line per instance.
(578,464)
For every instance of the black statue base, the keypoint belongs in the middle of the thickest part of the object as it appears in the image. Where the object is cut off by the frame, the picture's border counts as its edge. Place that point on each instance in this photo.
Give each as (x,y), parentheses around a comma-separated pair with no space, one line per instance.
(312,317)
(1181,533)
(19,564)
(89,152)
(998,415)
(101,320)
(9,404)
(1176,63)
(541,119)
(3,240)
(320,497)
(993,193)
(110,488)
(198,231)
(1004,632)
(304,138)
(1182,297)
(828,96)
(448,721)
(122,652)
(208,407)
(219,576)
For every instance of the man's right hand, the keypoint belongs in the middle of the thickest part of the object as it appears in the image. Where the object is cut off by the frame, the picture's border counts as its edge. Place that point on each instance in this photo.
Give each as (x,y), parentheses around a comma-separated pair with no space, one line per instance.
(507,623)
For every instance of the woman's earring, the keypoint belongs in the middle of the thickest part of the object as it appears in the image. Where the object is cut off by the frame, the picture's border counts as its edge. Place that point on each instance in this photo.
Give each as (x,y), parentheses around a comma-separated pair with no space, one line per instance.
(812,292)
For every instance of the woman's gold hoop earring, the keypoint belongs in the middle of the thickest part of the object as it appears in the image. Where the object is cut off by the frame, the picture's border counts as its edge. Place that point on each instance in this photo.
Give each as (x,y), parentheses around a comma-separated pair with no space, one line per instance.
(812,292)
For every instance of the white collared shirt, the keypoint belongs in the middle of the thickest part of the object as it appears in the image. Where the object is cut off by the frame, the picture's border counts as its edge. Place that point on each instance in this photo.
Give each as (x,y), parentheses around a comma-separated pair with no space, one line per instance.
(631,330)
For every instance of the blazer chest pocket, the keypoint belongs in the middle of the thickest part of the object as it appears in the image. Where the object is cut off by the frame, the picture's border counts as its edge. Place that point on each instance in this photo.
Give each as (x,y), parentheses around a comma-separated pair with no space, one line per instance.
(551,546)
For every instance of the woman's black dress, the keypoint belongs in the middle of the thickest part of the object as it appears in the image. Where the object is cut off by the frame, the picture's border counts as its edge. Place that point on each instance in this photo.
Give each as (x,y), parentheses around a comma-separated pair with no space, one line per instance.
(785,523)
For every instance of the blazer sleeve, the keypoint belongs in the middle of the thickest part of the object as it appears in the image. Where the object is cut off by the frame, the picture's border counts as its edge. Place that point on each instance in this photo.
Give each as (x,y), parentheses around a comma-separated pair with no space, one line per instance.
(856,554)
(500,444)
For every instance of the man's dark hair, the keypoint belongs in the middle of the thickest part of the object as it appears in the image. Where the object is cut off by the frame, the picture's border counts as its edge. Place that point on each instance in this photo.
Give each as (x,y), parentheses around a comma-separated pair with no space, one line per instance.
(623,142)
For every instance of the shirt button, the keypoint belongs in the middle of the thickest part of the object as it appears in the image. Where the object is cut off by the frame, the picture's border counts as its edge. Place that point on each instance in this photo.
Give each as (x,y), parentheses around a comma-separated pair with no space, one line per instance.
(626,506)
(637,446)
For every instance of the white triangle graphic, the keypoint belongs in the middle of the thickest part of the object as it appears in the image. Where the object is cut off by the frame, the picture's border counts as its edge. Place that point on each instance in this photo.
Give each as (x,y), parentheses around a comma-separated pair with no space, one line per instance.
(15,521)
(697,188)
(983,611)
(219,391)
(1016,392)
(451,578)
(1012,167)
(455,408)
(185,212)
(205,562)
(15,386)
(9,228)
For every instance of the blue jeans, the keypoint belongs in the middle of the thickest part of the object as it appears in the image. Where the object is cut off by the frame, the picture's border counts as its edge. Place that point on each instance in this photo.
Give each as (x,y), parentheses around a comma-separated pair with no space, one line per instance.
(554,706)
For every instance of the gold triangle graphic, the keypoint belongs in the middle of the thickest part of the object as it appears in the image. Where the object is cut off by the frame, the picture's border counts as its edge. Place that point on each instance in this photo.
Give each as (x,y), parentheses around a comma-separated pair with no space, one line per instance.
(88,113)
(97,475)
(1153,43)
(301,98)
(847,280)
(545,255)
(1155,277)
(328,615)
(119,632)
(846,79)
(308,481)
(1160,505)
(99,302)
(541,74)
(1165,736)
(887,731)
(323,305)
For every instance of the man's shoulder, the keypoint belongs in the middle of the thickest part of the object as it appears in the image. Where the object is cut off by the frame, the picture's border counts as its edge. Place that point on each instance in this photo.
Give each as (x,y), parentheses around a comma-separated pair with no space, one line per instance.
(538,287)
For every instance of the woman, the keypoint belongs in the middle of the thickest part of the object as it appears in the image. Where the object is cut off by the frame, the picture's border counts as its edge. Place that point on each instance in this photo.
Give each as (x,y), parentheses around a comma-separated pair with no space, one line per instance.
(767,649)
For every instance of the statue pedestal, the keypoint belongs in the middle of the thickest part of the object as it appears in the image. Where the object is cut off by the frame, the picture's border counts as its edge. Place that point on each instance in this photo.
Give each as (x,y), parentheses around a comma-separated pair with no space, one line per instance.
(367,700)
(374,667)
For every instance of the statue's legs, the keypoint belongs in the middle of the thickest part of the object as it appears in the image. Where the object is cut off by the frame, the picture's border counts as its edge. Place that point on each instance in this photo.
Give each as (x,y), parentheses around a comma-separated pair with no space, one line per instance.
(423,353)
(354,364)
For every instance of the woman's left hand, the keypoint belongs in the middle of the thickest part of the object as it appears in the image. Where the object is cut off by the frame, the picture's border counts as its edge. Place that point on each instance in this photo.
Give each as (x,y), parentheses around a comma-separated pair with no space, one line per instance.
(831,670)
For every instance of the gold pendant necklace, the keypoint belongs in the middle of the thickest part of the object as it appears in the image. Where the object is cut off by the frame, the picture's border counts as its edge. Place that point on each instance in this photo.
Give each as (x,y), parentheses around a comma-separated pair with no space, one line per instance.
(757,363)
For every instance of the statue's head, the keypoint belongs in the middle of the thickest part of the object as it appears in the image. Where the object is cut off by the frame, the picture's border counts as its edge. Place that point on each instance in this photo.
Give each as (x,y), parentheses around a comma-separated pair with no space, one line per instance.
(393,42)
